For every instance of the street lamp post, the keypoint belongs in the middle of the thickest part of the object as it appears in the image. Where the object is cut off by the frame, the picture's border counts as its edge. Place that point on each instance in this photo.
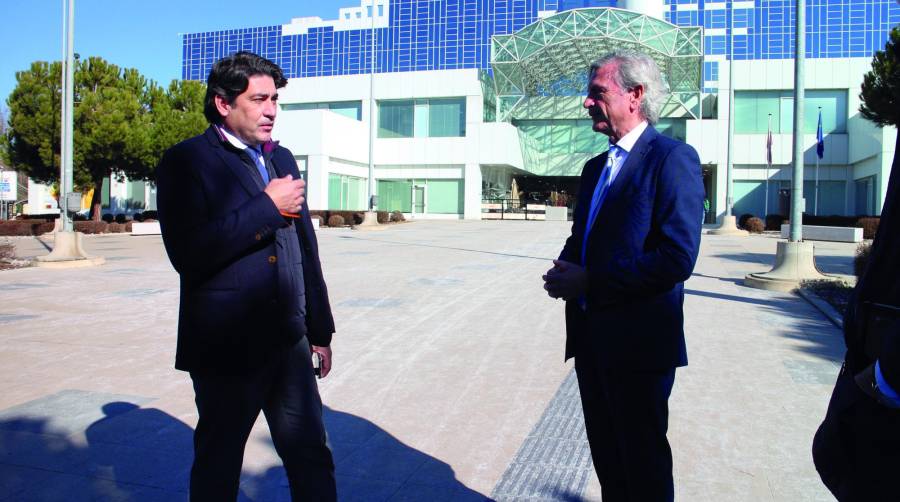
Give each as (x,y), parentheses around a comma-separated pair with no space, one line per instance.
(728,226)
(67,250)
(370,217)
(794,258)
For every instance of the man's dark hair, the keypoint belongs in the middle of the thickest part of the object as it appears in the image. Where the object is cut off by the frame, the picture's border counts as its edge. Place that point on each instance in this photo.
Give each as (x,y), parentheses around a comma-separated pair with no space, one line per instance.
(230,77)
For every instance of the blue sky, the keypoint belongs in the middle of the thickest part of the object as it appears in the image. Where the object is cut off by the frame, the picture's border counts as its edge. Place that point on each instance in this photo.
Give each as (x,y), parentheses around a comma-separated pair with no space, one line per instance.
(133,33)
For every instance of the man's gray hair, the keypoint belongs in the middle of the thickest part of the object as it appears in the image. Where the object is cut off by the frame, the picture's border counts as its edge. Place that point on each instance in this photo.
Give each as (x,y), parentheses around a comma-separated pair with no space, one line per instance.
(636,68)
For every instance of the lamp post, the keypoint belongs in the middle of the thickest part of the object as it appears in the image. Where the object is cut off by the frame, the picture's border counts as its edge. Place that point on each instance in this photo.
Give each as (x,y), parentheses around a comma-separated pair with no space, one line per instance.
(728,226)
(370,217)
(67,251)
(794,258)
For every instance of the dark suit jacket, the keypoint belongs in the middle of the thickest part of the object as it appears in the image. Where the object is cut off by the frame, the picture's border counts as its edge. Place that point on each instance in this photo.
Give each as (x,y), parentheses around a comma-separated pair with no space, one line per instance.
(642,248)
(219,227)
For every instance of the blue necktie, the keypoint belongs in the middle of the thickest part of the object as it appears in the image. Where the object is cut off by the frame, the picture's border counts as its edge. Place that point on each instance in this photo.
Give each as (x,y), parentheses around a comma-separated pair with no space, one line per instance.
(256,154)
(599,194)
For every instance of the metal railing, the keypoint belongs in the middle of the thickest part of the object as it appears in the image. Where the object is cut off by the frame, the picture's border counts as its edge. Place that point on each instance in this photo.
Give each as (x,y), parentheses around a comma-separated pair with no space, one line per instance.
(511,209)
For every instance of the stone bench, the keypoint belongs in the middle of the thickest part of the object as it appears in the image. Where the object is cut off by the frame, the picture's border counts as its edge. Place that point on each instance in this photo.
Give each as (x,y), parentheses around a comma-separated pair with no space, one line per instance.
(819,233)
(554,213)
(145,228)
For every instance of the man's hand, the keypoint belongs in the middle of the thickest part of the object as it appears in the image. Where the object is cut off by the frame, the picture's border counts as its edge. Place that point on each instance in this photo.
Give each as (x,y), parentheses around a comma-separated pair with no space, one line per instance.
(566,280)
(287,193)
(326,359)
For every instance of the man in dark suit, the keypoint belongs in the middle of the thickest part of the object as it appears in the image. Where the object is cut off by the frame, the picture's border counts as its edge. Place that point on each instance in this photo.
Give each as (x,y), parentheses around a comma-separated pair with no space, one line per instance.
(635,239)
(254,305)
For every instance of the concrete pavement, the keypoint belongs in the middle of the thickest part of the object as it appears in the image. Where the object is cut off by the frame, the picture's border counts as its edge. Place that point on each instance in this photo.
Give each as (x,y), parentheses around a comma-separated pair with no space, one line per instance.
(449,382)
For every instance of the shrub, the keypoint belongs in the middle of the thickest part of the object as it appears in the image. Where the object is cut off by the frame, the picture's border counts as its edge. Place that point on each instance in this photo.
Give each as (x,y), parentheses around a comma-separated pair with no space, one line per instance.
(335,220)
(383,216)
(107,218)
(743,219)
(319,218)
(869,226)
(150,215)
(861,261)
(774,221)
(79,217)
(754,225)
(43,216)
(397,216)
(121,218)
(91,227)
(138,217)
(25,227)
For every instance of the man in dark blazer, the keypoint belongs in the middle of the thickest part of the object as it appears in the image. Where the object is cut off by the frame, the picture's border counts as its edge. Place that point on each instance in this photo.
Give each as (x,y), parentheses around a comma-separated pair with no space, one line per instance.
(254,306)
(635,239)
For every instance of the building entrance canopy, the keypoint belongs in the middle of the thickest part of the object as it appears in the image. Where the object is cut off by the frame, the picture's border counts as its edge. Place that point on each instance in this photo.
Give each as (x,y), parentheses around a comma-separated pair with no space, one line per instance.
(540,70)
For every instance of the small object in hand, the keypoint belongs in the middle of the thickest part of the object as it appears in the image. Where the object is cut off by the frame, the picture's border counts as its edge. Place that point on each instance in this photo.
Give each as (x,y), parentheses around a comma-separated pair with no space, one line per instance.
(317,364)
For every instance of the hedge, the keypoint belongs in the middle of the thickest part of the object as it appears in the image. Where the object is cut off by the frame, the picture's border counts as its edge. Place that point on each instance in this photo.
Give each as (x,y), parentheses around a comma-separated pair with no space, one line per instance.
(25,227)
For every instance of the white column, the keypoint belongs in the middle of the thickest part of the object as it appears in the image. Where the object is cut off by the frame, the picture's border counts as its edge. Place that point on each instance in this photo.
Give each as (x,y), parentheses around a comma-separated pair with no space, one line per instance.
(472,191)
(317,181)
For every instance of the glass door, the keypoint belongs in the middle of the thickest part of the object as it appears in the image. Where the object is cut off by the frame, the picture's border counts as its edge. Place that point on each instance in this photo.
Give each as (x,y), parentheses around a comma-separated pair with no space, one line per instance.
(418,196)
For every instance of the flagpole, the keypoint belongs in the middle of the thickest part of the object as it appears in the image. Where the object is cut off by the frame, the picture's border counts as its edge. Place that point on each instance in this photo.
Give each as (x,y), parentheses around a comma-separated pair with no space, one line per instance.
(818,140)
(768,165)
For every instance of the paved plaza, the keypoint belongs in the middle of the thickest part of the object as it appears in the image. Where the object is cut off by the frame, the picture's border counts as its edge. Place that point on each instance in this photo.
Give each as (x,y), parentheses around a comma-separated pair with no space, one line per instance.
(449,381)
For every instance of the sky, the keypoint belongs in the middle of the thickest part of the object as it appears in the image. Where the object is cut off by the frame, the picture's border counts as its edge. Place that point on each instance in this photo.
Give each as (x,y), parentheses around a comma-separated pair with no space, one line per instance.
(133,33)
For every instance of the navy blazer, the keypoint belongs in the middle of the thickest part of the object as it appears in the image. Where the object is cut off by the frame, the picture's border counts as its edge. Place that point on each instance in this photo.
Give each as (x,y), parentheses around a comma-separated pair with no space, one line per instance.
(642,247)
(218,228)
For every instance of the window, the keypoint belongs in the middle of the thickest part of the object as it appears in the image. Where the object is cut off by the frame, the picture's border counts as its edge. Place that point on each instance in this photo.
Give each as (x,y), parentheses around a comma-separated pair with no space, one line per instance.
(752,110)
(421,118)
(350,109)
(346,192)
(432,196)
(395,119)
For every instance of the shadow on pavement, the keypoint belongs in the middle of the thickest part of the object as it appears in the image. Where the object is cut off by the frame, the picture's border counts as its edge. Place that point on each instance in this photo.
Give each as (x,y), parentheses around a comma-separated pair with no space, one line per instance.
(811,329)
(145,454)
(828,264)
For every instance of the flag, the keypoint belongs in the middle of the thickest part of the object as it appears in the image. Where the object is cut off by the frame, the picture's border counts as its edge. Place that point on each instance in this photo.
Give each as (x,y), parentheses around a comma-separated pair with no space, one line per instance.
(820,141)
(769,146)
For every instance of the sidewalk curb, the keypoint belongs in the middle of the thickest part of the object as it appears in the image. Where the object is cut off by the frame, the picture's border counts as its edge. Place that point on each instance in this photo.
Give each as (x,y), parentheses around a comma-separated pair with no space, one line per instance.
(830,312)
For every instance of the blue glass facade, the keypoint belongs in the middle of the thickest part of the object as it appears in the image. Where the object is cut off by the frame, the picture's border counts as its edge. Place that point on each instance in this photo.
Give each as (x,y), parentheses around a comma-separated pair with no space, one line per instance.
(764,29)
(455,34)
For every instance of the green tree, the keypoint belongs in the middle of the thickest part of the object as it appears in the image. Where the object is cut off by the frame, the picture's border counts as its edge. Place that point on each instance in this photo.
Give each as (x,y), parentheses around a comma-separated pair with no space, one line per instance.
(122,123)
(881,86)
(177,115)
(32,141)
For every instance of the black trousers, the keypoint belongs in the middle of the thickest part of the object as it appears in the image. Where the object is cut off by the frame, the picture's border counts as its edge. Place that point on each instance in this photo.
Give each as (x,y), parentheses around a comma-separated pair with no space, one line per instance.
(626,415)
(285,390)
(857,448)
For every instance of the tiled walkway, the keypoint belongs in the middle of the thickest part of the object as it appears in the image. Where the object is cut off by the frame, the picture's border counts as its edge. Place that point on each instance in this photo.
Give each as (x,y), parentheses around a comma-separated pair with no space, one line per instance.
(449,382)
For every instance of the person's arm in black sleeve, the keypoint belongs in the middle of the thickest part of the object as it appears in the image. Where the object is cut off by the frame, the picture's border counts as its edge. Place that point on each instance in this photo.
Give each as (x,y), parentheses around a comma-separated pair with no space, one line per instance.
(198,245)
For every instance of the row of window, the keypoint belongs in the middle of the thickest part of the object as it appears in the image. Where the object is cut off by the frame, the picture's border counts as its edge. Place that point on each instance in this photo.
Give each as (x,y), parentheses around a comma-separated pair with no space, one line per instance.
(405,118)
(755,112)
(417,196)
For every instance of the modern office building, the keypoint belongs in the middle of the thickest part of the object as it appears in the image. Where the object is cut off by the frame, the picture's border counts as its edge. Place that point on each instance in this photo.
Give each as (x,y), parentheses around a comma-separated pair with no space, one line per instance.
(471,94)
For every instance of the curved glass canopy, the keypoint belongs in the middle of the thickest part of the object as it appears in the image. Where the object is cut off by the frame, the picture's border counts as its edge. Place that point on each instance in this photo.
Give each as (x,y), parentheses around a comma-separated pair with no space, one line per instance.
(540,72)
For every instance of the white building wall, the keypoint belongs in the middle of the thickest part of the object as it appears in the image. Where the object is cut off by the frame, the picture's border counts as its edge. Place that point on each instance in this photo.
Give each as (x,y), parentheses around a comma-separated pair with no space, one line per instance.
(337,144)
(844,153)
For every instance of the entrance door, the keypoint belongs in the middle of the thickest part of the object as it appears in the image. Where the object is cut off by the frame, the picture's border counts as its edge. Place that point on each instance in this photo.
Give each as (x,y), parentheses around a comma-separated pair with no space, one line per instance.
(418,202)
(784,202)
